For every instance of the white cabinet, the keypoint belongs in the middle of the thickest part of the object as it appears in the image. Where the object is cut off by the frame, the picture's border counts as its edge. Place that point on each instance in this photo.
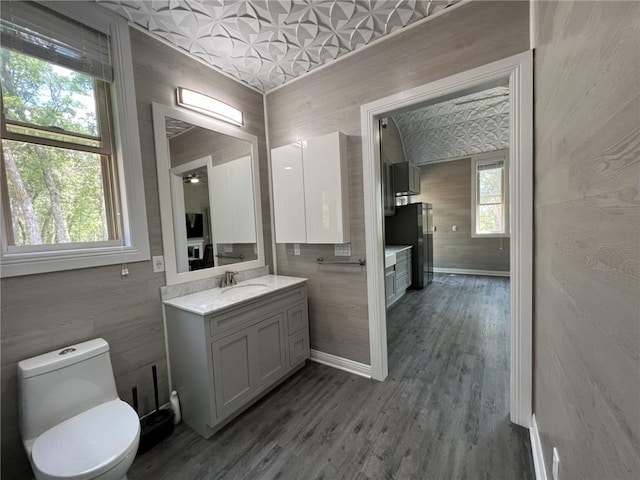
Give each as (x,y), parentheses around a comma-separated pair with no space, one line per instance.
(288,194)
(310,190)
(233,209)
(222,362)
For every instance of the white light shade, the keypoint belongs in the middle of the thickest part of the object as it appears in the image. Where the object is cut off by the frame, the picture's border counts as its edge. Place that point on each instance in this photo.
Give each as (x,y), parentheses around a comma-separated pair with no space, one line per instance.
(209,106)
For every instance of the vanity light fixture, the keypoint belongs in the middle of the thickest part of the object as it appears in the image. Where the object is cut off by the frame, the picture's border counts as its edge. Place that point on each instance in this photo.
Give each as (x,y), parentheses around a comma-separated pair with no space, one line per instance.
(208,105)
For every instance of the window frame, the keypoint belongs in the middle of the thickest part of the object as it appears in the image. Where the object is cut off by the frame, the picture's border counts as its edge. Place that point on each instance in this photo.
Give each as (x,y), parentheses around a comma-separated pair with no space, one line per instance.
(133,244)
(483,159)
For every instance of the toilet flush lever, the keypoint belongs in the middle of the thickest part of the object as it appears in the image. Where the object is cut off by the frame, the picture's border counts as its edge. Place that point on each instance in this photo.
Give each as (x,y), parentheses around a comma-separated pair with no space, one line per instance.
(67,350)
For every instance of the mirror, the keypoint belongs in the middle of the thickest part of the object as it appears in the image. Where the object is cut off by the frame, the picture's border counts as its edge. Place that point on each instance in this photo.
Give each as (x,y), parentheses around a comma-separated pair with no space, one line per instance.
(209,195)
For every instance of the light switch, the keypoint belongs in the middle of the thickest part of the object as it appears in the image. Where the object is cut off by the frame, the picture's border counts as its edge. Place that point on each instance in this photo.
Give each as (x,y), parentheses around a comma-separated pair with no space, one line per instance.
(454,228)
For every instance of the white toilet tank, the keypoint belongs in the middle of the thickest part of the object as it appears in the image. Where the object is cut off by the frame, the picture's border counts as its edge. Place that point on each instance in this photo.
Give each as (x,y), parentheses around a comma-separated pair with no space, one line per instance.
(58,385)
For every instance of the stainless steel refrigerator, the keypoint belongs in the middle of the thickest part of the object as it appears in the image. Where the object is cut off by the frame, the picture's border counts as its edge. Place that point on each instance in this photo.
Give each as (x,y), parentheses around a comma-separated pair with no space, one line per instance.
(413,225)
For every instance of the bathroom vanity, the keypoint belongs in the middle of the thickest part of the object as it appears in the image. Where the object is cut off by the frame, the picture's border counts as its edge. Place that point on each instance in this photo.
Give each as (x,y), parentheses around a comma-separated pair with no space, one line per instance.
(397,272)
(229,346)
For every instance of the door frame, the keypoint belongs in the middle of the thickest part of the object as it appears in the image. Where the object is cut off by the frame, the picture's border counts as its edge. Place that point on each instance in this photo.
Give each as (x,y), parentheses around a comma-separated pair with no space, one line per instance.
(518,70)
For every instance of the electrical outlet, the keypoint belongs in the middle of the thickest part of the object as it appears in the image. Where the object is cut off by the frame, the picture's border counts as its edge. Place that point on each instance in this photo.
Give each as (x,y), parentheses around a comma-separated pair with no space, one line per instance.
(228,249)
(556,464)
(342,250)
(158,263)
(296,249)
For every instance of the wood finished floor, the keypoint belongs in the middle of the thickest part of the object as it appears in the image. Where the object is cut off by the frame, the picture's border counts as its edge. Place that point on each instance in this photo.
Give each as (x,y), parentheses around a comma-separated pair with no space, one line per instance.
(441,414)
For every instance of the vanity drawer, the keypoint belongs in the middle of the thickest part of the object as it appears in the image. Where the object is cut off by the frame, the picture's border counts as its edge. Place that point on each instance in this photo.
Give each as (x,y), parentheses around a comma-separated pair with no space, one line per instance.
(297,318)
(402,268)
(403,255)
(229,321)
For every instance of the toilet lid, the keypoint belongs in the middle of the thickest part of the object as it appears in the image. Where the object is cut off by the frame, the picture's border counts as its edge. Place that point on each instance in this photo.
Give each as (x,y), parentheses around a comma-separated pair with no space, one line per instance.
(87,444)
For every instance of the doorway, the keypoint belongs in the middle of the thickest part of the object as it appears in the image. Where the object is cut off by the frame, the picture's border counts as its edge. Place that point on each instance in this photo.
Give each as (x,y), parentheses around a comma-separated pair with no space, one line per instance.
(517,73)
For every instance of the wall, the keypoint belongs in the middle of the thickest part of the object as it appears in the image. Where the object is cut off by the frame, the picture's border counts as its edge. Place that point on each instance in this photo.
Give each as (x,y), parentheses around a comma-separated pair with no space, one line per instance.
(470,35)
(587,237)
(447,186)
(391,148)
(200,142)
(44,312)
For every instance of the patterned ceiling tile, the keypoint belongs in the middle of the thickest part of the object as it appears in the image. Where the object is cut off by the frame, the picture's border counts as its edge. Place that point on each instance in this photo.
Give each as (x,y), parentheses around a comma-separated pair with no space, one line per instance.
(175,127)
(471,124)
(266,43)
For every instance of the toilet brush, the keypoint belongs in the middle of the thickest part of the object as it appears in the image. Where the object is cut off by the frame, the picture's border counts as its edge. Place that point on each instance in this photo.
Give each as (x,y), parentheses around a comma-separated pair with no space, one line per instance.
(134,393)
(156,426)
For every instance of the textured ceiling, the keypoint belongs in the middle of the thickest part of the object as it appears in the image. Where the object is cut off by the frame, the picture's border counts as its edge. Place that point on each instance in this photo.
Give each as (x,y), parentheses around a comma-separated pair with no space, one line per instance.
(175,127)
(467,125)
(266,43)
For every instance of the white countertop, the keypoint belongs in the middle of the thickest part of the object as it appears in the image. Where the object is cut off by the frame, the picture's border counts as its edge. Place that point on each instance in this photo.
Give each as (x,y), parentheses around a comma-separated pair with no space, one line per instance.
(390,252)
(215,299)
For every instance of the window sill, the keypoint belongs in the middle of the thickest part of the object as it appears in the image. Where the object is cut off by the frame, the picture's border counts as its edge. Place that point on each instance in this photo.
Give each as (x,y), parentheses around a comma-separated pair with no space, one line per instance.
(490,235)
(13,265)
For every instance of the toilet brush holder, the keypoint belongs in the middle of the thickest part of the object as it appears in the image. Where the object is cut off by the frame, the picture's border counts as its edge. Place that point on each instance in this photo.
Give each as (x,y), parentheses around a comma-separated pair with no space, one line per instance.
(156,426)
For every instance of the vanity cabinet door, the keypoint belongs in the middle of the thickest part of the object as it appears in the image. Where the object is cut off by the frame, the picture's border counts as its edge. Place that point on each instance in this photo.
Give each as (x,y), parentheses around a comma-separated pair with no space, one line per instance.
(270,358)
(232,371)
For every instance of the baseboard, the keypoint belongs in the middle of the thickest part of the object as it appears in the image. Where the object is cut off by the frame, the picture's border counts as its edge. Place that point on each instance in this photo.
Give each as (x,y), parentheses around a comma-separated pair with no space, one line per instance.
(536,451)
(465,271)
(341,363)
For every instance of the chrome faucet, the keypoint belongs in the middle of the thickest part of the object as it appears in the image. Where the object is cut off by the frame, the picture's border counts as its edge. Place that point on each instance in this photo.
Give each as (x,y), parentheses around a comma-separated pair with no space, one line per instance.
(228,279)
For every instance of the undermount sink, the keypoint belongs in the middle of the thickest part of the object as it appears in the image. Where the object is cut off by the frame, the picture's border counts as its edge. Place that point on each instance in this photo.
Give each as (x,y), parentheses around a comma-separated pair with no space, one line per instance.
(245,288)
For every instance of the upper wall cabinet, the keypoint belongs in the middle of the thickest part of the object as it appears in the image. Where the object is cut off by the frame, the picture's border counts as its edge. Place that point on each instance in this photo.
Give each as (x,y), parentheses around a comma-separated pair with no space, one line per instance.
(310,191)
(406,179)
(288,194)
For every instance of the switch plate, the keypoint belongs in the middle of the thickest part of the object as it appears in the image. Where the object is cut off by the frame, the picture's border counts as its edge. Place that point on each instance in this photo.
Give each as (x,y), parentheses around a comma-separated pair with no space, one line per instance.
(454,228)
(556,464)
(342,250)
(158,263)
(296,249)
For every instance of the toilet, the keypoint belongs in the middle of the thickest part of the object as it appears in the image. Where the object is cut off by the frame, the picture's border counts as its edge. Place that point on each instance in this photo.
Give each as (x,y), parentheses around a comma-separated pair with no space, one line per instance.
(73,425)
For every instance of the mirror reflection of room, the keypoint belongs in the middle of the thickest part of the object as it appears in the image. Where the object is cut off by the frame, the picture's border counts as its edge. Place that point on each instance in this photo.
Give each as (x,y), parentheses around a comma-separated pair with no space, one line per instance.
(197,214)
(216,206)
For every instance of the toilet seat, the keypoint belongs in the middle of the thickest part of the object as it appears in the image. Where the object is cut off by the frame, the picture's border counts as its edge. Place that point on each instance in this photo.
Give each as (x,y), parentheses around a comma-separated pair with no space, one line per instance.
(87,445)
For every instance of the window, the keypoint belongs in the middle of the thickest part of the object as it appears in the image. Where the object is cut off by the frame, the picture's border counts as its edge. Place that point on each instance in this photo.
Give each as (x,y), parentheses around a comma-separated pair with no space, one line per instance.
(64,176)
(490,197)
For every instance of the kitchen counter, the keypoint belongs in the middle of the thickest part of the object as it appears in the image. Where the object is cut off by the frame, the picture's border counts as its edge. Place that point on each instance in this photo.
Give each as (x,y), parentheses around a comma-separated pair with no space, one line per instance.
(216,299)
(390,252)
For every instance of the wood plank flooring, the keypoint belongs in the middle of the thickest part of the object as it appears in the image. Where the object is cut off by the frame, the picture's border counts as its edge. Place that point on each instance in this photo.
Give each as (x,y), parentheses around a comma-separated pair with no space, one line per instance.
(441,414)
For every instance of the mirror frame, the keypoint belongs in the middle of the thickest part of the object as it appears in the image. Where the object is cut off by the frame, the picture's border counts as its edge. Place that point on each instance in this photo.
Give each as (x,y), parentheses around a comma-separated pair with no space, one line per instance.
(163,165)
